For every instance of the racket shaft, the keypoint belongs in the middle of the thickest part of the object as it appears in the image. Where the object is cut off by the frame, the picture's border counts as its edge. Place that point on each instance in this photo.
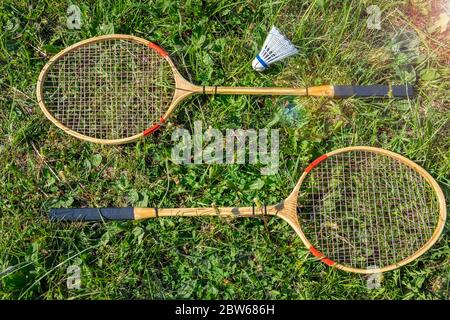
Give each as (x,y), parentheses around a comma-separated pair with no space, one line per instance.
(326,91)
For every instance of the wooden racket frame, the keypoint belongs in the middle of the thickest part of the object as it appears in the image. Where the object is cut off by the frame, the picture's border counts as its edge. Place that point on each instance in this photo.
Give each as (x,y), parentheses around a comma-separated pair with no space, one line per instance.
(287,210)
(183,89)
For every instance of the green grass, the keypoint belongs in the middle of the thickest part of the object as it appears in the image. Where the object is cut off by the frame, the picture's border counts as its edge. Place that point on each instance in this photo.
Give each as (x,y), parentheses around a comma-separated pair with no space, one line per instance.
(212,42)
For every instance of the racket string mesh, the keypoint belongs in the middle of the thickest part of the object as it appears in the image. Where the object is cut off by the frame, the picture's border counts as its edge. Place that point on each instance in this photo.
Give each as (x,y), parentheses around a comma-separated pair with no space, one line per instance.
(365,210)
(110,89)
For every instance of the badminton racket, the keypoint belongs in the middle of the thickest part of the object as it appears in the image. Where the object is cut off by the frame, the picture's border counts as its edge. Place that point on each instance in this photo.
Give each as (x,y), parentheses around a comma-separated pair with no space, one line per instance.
(115,89)
(359,209)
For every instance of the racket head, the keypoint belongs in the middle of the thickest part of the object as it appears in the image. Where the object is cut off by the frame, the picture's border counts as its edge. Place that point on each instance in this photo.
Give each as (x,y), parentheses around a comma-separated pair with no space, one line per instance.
(366,210)
(110,89)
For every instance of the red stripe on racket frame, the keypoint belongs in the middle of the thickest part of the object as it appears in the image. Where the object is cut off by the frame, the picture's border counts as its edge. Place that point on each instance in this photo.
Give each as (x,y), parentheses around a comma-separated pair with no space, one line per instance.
(158,49)
(328,262)
(315,163)
(154,128)
(316,253)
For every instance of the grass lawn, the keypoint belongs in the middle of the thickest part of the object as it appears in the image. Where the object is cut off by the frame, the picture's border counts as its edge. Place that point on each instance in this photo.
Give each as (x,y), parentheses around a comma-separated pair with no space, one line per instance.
(213,43)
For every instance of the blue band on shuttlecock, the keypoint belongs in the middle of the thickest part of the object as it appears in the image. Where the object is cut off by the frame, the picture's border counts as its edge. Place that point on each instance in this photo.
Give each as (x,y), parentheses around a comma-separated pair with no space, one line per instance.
(263,63)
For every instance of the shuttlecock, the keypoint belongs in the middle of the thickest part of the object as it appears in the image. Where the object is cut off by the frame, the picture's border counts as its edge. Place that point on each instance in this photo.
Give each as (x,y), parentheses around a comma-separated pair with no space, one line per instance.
(275,48)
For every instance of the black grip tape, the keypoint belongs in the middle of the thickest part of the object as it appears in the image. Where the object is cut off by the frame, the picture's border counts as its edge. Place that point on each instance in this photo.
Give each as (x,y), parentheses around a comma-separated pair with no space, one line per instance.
(92,214)
(373,91)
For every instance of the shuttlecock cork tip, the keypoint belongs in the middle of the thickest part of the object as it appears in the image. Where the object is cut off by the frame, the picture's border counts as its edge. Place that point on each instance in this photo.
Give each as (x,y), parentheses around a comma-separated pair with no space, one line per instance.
(259,64)
(275,48)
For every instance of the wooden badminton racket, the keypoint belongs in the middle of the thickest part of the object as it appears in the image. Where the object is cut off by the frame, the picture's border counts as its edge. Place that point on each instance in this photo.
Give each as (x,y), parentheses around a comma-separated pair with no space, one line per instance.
(115,89)
(359,209)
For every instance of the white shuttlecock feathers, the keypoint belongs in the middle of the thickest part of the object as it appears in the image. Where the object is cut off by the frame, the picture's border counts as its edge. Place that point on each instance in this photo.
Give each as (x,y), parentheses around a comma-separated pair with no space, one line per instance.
(275,48)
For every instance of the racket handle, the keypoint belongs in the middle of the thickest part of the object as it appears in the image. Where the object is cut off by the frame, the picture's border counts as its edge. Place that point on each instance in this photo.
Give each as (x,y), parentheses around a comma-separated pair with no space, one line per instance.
(92,214)
(401,91)
(105,214)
